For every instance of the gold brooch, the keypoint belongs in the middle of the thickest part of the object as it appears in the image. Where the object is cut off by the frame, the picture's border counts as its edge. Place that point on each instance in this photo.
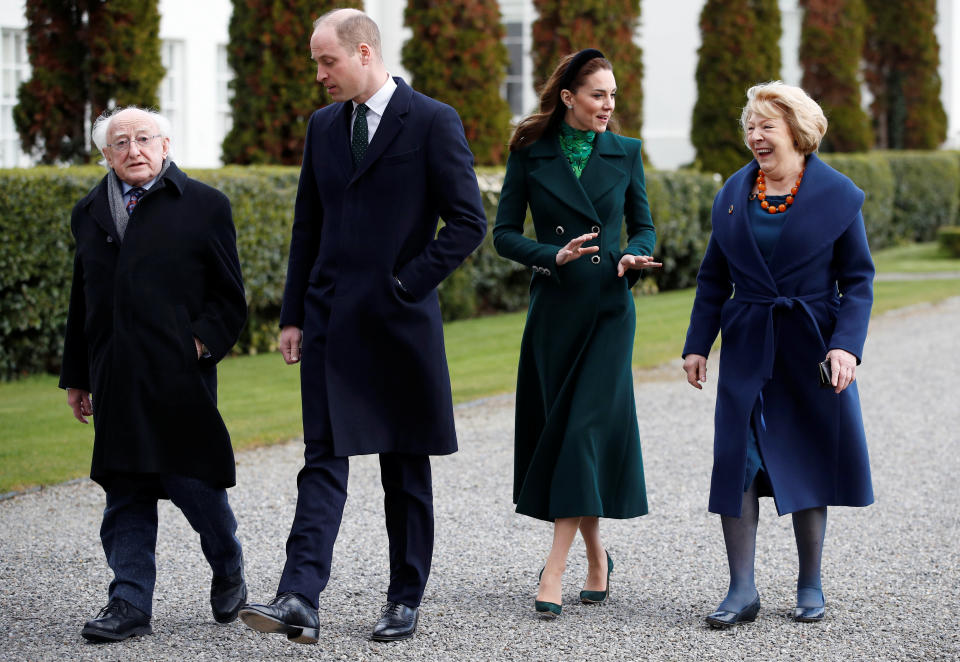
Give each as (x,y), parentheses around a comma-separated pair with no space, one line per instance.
(730,211)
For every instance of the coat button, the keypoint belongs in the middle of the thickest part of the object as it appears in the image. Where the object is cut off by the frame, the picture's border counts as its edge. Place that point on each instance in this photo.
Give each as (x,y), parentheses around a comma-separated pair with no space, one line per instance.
(559,229)
(546,272)
(595,259)
(595,229)
(109,239)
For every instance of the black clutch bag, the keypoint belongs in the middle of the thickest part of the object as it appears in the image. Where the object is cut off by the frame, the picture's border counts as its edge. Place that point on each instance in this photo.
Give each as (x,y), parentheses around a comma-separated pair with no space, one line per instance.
(825,374)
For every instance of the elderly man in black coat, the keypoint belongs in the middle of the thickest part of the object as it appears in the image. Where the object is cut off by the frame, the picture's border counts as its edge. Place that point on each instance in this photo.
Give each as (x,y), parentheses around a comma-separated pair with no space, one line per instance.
(157,300)
(379,168)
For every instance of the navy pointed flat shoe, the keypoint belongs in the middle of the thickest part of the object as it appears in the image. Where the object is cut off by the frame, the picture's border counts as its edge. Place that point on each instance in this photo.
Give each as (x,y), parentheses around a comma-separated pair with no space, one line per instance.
(725,619)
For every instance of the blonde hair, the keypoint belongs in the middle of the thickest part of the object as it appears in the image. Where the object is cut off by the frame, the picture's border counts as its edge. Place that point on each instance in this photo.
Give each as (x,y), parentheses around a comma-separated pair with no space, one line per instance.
(803,115)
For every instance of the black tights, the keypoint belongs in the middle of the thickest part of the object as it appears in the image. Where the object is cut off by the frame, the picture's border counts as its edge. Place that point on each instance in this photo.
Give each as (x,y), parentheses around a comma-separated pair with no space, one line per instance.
(740,537)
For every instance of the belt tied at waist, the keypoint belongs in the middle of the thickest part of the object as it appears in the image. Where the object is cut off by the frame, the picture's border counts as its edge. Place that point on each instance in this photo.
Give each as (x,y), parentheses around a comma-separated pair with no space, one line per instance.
(772,332)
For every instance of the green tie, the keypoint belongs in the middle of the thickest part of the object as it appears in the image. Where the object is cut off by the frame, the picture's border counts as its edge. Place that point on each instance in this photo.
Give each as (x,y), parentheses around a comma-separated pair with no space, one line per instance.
(359,143)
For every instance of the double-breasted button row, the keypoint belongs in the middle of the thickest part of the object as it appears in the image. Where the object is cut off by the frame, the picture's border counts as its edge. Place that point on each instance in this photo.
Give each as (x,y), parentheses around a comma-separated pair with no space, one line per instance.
(541,270)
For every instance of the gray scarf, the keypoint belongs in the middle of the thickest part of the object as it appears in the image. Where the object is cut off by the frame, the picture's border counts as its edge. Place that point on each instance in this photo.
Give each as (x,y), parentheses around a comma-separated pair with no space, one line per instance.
(115,197)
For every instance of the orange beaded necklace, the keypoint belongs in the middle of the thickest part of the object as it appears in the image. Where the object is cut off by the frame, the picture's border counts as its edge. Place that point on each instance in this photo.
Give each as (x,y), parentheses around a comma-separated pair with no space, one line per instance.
(762,195)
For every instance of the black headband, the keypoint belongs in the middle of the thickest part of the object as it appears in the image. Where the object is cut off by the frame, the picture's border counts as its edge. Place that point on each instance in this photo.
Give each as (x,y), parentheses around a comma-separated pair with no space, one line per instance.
(576,64)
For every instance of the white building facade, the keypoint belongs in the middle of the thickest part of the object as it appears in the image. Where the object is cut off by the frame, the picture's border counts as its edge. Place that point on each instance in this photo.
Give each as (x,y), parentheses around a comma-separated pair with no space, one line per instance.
(194,39)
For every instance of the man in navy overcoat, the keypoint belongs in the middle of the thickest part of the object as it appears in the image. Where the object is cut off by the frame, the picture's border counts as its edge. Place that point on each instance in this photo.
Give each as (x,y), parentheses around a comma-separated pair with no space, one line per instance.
(379,169)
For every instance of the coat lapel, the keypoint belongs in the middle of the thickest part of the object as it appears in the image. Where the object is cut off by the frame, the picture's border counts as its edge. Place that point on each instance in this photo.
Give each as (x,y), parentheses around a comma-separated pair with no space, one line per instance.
(338,136)
(390,125)
(602,172)
(100,210)
(823,209)
(731,224)
(556,177)
(825,205)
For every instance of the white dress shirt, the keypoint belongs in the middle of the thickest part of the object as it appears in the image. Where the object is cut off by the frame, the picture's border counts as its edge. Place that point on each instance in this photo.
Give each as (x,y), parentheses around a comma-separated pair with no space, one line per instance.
(376,105)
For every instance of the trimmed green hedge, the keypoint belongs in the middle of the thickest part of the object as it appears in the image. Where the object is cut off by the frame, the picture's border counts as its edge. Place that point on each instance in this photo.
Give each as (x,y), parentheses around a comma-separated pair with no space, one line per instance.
(909,195)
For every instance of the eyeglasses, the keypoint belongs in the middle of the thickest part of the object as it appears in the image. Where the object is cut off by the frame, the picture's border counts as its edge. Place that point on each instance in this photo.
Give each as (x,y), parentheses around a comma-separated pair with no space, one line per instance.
(123,144)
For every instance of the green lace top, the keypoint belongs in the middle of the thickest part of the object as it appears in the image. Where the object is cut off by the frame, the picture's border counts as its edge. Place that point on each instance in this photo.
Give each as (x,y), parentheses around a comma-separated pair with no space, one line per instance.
(576,145)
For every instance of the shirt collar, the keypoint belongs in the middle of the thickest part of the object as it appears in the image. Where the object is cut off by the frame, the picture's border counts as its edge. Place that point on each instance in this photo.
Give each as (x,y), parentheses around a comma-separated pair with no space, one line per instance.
(125,188)
(378,102)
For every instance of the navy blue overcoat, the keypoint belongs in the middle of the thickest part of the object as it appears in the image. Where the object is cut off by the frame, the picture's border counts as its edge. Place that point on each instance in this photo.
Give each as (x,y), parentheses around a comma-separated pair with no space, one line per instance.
(373,372)
(777,322)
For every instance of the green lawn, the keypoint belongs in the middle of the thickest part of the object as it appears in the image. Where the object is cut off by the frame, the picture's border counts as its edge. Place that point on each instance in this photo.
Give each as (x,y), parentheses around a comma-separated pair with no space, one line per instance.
(41,443)
(915,258)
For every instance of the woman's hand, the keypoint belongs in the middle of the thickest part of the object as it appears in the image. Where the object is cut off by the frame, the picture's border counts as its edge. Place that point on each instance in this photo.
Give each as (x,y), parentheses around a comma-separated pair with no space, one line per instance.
(696,368)
(575,249)
(636,262)
(843,369)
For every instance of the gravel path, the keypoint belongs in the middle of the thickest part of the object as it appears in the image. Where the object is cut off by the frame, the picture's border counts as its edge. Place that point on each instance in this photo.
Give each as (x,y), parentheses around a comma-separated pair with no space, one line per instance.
(891,571)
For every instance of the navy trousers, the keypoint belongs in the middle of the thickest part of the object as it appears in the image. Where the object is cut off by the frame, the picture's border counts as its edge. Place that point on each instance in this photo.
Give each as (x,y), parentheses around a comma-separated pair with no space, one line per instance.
(129,532)
(322,492)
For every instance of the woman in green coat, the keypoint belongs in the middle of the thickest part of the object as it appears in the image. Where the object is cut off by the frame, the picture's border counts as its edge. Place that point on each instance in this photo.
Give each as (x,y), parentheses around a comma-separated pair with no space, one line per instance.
(577,454)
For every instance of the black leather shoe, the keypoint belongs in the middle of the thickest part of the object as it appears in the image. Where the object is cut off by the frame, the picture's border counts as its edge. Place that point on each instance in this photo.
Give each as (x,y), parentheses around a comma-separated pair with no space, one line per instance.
(117,621)
(396,622)
(287,614)
(725,619)
(227,595)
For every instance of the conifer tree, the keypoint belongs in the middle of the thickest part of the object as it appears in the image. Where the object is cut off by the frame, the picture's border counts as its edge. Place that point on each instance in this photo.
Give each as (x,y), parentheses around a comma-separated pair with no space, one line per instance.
(740,48)
(902,57)
(456,55)
(567,26)
(84,54)
(831,44)
(274,86)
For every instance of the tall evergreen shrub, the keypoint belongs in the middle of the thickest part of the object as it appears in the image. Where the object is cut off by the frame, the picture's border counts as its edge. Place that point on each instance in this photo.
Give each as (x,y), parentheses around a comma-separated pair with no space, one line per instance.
(831,44)
(902,56)
(740,47)
(456,55)
(274,86)
(84,55)
(567,26)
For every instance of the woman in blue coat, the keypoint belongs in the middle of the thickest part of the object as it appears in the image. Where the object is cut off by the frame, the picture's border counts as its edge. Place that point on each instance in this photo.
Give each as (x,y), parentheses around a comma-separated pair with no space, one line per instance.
(577,443)
(787,278)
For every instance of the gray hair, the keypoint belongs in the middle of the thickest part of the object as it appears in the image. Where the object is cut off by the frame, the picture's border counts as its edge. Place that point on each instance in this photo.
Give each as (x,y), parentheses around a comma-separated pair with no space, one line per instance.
(353,28)
(101,126)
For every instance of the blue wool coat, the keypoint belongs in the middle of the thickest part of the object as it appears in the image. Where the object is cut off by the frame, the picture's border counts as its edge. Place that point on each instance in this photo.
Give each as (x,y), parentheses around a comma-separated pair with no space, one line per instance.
(374,373)
(777,322)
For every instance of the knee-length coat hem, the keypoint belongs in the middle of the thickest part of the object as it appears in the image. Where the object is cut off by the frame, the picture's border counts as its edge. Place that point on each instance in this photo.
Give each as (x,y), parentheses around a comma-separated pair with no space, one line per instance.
(778,320)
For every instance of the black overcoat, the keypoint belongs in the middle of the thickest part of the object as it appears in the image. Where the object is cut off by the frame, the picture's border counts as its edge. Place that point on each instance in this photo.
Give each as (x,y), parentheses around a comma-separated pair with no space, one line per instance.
(135,308)
(373,372)
(815,295)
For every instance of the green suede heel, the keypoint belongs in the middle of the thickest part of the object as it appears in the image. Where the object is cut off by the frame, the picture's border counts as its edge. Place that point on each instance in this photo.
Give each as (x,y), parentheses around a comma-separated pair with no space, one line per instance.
(546,610)
(596,597)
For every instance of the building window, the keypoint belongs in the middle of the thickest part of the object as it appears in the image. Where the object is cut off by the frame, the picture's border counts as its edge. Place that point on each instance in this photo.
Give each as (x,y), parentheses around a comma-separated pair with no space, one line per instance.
(15,69)
(224,94)
(172,89)
(514,81)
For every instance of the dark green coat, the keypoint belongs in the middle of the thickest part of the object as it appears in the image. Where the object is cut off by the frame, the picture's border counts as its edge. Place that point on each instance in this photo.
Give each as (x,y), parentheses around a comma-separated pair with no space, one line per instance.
(577,440)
